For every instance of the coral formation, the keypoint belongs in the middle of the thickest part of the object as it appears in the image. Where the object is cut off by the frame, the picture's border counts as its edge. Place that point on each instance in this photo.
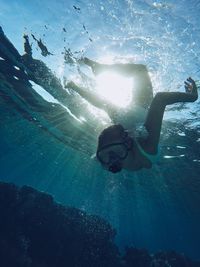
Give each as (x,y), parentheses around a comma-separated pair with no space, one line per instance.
(35,231)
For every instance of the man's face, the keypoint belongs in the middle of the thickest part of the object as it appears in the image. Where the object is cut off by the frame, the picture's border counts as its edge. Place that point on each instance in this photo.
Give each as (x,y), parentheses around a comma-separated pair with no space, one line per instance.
(112,154)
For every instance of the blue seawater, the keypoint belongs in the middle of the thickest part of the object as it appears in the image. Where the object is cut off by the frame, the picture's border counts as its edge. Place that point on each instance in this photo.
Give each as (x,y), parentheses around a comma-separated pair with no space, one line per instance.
(48,143)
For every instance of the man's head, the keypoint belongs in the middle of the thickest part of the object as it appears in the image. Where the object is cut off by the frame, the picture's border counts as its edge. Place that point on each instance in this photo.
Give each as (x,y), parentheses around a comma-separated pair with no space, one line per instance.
(113,147)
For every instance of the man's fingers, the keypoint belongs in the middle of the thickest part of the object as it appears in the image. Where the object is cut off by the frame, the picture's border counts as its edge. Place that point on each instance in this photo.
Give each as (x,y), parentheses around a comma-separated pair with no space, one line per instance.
(191,80)
(188,89)
(187,84)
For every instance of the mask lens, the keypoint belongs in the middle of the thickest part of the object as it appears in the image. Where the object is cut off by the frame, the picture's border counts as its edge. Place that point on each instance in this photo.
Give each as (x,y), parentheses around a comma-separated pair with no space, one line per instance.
(118,149)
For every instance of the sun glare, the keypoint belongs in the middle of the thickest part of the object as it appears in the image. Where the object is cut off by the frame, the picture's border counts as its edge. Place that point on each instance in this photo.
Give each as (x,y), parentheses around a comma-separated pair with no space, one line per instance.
(115,88)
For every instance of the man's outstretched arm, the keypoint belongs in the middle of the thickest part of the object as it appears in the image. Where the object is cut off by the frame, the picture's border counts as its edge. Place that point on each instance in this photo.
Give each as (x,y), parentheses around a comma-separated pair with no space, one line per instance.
(127,69)
(154,118)
(92,98)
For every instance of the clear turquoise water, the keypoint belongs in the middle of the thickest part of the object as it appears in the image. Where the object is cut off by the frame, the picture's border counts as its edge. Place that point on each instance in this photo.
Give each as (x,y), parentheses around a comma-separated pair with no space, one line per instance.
(156,209)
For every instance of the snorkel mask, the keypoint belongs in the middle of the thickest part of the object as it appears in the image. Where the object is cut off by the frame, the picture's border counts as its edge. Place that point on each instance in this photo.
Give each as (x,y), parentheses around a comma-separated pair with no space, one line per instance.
(112,155)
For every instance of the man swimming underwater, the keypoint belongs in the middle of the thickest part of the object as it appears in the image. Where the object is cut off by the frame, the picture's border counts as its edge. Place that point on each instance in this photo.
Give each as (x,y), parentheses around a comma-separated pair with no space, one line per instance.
(121,149)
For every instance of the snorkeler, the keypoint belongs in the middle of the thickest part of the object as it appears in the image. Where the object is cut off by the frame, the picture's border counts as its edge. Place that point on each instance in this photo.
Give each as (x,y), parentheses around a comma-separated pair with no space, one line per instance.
(118,148)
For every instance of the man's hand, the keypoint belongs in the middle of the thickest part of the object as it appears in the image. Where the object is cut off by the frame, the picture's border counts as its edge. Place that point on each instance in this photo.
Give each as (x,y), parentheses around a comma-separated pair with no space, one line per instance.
(190,86)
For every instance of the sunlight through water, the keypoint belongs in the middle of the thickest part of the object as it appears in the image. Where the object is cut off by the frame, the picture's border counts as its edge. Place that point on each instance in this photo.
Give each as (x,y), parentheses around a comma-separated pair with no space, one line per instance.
(115,88)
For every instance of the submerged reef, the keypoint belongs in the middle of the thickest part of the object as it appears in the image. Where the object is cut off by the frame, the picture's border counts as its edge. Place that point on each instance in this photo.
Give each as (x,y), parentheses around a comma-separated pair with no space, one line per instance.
(35,231)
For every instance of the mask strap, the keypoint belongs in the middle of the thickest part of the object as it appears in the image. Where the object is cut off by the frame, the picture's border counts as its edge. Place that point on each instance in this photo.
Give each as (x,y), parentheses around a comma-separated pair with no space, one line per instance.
(128,141)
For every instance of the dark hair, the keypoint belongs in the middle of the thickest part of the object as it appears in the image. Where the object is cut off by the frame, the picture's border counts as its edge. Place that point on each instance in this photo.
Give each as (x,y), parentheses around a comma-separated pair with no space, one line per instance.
(107,134)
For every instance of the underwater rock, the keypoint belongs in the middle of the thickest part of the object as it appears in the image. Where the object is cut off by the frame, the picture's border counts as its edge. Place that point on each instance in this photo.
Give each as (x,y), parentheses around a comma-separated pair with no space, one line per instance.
(141,258)
(137,257)
(171,258)
(36,231)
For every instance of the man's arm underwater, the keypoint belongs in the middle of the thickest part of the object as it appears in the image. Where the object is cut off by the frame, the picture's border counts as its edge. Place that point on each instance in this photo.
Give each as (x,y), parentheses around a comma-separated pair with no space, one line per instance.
(154,118)
(92,98)
(126,69)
